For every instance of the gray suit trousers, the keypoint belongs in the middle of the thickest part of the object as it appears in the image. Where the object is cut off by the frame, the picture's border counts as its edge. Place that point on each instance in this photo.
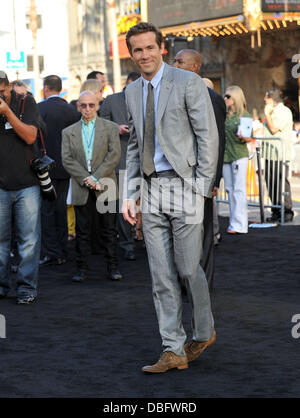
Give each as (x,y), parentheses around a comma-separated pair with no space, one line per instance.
(174,245)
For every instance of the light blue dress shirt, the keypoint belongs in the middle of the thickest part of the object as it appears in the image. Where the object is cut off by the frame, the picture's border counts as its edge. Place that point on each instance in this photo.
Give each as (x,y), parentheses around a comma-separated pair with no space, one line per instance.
(160,161)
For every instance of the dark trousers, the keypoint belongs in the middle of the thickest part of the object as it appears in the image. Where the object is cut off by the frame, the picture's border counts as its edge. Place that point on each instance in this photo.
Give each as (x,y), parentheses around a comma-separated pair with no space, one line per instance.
(126,241)
(273,177)
(54,221)
(207,259)
(124,229)
(108,232)
(97,245)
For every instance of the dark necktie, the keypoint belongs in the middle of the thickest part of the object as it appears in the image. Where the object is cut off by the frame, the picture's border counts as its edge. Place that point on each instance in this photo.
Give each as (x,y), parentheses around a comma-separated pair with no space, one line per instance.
(148,164)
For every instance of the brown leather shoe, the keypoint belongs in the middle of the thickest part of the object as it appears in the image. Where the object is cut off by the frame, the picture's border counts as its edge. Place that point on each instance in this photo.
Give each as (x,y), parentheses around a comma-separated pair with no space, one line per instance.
(168,360)
(193,348)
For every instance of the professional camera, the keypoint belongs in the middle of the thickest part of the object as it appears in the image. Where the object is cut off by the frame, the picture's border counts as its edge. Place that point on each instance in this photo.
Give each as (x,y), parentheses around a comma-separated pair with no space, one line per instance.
(41,167)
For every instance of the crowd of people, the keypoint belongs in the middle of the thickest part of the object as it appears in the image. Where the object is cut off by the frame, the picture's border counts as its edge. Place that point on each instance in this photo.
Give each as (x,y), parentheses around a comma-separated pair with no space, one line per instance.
(168,126)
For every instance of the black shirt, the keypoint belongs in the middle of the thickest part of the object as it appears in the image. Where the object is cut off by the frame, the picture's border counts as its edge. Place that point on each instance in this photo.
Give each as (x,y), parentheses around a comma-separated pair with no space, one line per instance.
(15,154)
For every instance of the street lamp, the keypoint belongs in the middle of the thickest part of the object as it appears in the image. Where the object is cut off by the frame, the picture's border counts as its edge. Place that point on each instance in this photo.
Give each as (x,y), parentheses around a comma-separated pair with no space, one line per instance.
(36,64)
(15,33)
(115,46)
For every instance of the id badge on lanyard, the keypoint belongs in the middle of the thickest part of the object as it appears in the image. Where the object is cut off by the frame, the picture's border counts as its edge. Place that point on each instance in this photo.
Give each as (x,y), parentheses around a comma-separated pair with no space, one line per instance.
(89,166)
(89,150)
(8,126)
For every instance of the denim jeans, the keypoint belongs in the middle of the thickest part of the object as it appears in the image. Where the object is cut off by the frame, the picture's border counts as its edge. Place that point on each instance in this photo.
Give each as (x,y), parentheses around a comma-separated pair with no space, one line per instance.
(20,208)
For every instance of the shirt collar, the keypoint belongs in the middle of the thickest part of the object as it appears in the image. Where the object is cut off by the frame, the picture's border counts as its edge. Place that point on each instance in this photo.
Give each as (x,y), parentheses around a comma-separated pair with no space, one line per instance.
(157,78)
(279,105)
(91,122)
(53,95)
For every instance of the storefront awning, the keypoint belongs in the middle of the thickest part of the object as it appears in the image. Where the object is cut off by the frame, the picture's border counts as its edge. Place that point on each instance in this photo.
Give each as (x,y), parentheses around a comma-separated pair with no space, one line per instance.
(231,26)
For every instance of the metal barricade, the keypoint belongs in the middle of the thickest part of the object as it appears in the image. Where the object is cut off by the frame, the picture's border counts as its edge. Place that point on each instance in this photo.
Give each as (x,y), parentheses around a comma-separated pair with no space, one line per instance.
(266,187)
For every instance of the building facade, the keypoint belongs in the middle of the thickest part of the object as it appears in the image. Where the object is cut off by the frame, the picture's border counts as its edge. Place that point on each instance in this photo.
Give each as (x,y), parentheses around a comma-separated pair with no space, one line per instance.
(250,43)
(52,42)
(89,41)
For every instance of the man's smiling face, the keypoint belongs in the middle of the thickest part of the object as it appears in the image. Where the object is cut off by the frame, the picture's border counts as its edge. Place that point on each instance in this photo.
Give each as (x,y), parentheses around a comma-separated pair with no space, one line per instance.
(146,53)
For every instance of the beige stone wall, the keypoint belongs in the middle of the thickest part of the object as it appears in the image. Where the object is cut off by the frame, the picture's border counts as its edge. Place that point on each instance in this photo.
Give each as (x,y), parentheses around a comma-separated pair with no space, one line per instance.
(88,42)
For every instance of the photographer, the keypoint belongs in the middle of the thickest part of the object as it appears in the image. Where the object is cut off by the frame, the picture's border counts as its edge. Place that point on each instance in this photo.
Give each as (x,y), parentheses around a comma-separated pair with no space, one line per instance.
(19,191)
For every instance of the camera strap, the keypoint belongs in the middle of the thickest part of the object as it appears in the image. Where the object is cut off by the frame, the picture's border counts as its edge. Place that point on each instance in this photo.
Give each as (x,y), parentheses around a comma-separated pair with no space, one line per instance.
(21,107)
(21,104)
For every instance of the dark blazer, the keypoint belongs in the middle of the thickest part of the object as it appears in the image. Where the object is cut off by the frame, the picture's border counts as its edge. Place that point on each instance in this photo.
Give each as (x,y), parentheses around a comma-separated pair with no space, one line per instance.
(114,108)
(57,114)
(220,115)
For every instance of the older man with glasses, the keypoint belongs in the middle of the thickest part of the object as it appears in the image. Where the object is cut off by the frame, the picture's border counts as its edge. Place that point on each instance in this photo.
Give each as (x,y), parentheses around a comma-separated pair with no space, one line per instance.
(90,153)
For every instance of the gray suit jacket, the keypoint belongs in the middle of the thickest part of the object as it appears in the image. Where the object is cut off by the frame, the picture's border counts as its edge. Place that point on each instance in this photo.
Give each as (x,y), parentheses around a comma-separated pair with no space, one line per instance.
(114,108)
(106,156)
(185,126)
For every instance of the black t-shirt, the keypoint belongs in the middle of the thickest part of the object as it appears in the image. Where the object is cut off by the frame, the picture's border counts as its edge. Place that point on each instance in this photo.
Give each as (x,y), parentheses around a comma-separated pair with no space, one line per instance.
(15,154)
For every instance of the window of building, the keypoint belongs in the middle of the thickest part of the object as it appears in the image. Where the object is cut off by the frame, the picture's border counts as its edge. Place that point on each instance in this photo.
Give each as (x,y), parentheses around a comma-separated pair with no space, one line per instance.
(30,63)
(39,17)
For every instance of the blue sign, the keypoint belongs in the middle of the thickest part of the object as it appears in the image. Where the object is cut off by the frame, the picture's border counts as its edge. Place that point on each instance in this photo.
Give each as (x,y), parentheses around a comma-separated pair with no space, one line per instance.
(15,59)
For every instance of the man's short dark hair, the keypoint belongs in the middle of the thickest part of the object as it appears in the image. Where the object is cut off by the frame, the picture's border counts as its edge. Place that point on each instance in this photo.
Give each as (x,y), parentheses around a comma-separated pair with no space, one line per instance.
(18,83)
(53,82)
(275,94)
(3,78)
(93,75)
(133,76)
(143,27)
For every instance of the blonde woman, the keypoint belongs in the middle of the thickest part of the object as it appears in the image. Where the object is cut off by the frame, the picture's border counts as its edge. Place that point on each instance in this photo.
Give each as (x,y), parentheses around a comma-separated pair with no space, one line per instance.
(236,161)
(94,86)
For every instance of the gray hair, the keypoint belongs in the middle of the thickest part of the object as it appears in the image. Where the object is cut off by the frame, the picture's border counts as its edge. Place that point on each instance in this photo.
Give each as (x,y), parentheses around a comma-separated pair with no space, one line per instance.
(88,92)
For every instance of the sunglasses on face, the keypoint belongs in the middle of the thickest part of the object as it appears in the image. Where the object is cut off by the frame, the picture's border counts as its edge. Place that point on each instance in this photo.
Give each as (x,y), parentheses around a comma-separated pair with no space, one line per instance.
(85,105)
(227,96)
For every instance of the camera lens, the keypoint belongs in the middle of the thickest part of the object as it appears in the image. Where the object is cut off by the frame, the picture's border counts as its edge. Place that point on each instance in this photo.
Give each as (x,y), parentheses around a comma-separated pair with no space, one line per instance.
(47,189)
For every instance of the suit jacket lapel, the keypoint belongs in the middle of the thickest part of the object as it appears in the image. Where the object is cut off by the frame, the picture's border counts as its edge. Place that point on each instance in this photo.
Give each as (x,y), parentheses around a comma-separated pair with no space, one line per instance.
(99,132)
(122,106)
(77,135)
(164,94)
(138,94)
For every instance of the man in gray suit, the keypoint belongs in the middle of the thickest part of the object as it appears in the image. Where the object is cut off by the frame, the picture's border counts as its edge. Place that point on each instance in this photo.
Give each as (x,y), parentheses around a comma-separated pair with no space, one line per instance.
(173,146)
(114,108)
(90,153)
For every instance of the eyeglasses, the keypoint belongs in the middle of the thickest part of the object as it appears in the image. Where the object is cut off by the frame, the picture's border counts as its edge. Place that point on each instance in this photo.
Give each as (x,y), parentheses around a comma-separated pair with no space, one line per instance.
(85,105)
(227,96)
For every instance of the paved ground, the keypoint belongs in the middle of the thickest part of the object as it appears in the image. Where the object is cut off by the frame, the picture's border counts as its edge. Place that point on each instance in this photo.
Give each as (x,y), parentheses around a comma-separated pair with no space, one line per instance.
(90,340)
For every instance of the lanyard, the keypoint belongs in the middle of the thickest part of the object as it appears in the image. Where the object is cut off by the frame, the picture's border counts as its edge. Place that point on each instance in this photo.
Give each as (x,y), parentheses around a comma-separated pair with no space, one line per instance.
(89,142)
(89,148)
